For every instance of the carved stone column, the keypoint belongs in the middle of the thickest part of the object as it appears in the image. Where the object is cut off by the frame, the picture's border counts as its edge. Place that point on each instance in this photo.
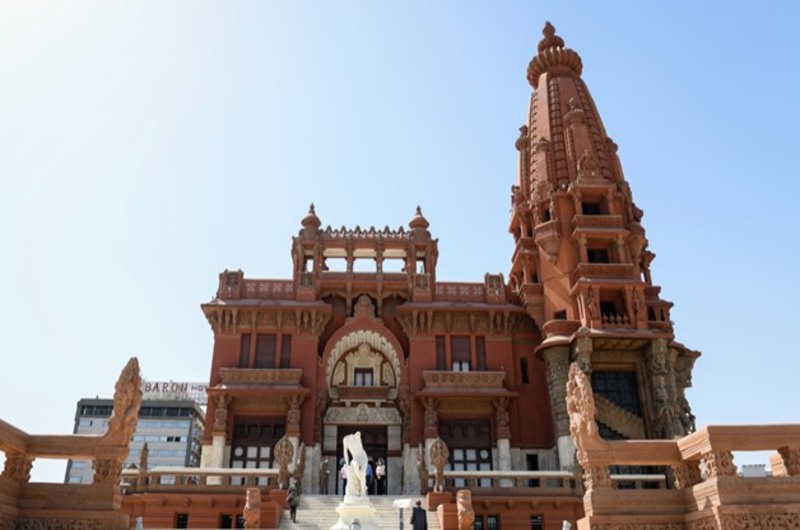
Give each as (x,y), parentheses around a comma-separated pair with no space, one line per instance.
(557,361)
(18,467)
(719,464)
(219,432)
(293,415)
(596,476)
(503,434)
(431,431)
(662,407)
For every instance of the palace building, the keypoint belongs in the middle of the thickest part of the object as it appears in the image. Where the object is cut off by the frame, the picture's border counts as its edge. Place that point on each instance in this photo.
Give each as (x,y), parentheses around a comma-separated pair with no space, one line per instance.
(406,357)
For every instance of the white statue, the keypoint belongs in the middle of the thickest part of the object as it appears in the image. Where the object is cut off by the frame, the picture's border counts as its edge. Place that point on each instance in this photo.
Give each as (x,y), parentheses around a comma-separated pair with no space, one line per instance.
(356,459)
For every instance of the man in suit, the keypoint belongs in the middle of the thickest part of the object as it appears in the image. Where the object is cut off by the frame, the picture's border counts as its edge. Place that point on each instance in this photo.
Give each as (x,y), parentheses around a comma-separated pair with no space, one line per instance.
(419,519)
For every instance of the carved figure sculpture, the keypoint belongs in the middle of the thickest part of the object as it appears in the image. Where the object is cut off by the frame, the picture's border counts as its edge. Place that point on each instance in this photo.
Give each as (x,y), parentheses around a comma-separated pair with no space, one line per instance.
(300,466)
(284,451)
(127,399)
(252,509)
(422,470)
(356,459)
(583,428)
(466,515)
(440,455)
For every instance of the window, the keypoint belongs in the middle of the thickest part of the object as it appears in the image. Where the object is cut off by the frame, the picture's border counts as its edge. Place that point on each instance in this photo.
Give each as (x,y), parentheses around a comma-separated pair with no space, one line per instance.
(181,520)
(363,377)
(523,370)
(537,522)
(244,351)
(621,388)
(608,309)
(477,524)
(286,351)
(480,353)
(532,464)
(441,356)
(597,255)
(492,522)
(461,353)
(252,442)
(592,208)
(265,350)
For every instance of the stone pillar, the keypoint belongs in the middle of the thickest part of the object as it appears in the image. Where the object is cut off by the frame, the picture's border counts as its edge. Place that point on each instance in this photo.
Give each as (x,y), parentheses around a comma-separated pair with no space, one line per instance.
(719,464)
(557,361)
(431,431)
(662,408)
(216,453)
(503,434)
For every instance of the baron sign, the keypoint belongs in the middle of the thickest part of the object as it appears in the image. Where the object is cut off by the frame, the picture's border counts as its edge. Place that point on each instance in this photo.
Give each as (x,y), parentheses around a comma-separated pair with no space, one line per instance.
(175,390)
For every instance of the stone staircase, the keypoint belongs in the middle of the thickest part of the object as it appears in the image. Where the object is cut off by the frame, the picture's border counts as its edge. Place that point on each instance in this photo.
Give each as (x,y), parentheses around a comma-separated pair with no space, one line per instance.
(319,511)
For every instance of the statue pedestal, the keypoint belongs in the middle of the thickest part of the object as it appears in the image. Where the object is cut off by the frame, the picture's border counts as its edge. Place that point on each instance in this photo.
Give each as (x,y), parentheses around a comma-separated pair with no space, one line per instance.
(352,508)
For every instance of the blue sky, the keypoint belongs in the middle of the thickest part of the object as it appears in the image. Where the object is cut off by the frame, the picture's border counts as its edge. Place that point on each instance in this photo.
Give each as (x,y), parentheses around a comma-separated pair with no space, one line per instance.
(144,147)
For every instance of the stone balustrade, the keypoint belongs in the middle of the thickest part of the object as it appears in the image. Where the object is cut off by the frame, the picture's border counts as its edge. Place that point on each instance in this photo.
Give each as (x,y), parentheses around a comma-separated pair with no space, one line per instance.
(459,292)
(193,479)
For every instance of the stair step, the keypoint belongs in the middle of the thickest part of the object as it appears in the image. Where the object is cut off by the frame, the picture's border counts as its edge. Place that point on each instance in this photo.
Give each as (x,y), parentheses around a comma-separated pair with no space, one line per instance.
(319,512)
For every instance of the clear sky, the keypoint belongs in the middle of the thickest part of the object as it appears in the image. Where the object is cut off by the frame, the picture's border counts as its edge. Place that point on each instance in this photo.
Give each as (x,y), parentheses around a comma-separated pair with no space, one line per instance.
(145,147)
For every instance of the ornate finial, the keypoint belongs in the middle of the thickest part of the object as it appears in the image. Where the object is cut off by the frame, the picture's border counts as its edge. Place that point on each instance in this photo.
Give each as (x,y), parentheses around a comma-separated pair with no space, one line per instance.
(550,40)
(553,57)
(419,221)
(311,220)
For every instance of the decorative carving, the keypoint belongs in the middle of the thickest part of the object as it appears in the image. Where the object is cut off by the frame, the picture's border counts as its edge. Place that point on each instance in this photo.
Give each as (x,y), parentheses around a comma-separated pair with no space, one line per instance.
(107,471)
(387,374)
(252,508)
(221,414)
(431,429)
(352,341)
(18,467)
(791,460)
(422,470)
(719,464)
(284,452)
(435,378)
(557,360)
(338,375)
(364,307)
(321,405)
(261,376)
(687,474)
(362,414)
(501,418)
(757,521)
(144,465)
(54,523)
(440,455)
(583,428)
(466,515)
(300,465)
(127,399)
(293,403)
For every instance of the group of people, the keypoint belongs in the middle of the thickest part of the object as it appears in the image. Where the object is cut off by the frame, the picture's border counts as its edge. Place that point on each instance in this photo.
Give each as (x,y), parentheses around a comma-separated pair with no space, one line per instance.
(376,479)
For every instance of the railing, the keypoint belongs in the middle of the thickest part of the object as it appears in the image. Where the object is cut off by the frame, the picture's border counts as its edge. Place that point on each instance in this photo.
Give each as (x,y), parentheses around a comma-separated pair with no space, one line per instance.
(268,289)
(459,292)
(603,271)
(261,376)
(444,378)
(512,482)
(607,222)
(192,479)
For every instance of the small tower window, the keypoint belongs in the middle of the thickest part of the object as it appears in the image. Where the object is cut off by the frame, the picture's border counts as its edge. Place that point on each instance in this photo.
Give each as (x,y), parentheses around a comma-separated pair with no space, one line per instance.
(363,377)
(560,315)
(592,208)
(547,216)
(597,255)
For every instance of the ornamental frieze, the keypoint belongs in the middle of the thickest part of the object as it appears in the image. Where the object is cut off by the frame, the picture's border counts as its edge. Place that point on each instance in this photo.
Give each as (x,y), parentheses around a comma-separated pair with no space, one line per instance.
(261,376)
(362,414)
(435,378)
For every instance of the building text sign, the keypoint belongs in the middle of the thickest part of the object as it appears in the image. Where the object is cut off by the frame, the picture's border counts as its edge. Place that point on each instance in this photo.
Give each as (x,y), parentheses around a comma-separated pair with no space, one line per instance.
(175,390)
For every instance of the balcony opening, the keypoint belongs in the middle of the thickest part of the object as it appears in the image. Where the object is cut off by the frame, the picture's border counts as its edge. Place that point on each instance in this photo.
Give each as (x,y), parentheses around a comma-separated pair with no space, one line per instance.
(608,309)
(597,255)
(591,208)
(560,315)
(546,215)
(523,370)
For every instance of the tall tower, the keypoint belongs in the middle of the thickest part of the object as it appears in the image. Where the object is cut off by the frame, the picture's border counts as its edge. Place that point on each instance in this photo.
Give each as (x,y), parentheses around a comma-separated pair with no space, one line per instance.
(581,264)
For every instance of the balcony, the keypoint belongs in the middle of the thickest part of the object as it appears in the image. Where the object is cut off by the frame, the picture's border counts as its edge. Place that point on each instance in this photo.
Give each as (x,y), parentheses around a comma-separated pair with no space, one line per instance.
(603,271)
(196,480)
(459,292)
(439,379)
(610,223)
(375,394)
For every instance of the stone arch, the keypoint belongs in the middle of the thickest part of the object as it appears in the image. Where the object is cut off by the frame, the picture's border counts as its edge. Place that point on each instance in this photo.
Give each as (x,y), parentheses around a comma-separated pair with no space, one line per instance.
(353,340)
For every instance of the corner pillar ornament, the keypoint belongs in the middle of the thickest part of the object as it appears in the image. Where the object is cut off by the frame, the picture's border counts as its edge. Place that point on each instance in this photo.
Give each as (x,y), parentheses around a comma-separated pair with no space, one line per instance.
(583,429)
(687,474)
(791,460)
(719,464)
(440,455)
(107,471)
(18,467)
(283,451)
(252,508)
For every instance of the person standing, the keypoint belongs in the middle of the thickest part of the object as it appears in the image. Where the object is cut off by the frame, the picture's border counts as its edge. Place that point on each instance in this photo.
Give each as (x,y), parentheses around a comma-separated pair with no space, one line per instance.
(293,500)
(369,477)
(380,478)
(343,476)
(419,519)
(324,474)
